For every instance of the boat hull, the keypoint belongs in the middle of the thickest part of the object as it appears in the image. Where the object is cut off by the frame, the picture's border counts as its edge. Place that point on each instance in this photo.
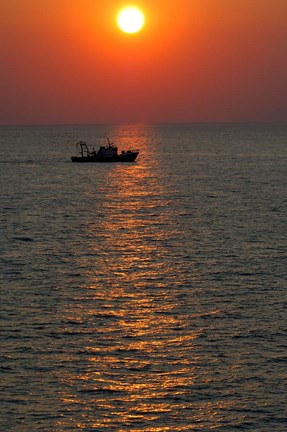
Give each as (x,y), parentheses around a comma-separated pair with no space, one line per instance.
(123,157)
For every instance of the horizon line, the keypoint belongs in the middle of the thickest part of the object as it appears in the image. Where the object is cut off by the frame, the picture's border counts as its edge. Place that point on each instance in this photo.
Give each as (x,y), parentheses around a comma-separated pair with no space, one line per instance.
(221,122)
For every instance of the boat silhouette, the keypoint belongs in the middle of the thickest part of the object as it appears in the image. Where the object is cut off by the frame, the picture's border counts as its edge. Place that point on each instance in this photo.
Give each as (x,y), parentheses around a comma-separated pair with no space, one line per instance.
(107,153)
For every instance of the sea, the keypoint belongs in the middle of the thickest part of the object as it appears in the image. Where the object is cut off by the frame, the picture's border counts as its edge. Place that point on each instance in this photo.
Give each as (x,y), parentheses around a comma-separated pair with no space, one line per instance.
(146,296)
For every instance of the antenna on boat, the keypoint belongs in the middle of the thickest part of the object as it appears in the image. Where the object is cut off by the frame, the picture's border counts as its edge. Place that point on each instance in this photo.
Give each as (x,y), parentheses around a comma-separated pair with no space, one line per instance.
(109,142)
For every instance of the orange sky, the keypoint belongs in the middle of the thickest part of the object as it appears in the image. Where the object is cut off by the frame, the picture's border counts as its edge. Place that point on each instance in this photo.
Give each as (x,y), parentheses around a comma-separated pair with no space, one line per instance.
(65,61)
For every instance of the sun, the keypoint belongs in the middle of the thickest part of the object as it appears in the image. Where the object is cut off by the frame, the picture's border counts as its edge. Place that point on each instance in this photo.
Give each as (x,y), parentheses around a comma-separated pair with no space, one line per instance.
(131,19)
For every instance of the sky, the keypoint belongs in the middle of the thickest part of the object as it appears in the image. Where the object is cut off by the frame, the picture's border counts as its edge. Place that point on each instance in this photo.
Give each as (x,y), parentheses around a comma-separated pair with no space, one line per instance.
(67,62)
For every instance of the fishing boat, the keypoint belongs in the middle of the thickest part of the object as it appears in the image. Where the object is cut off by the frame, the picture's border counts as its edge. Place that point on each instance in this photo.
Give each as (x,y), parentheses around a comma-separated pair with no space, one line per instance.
(107,153)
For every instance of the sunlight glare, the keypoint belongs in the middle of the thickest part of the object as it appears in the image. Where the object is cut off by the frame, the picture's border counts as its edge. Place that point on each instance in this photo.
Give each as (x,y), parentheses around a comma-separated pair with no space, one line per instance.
(131,19)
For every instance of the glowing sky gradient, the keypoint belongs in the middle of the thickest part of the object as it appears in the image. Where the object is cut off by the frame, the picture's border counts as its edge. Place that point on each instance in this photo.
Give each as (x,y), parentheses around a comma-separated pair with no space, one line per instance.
(195,60)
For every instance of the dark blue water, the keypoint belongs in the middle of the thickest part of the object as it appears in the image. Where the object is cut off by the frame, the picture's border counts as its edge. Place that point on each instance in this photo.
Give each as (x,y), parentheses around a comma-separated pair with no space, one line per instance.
(148,296)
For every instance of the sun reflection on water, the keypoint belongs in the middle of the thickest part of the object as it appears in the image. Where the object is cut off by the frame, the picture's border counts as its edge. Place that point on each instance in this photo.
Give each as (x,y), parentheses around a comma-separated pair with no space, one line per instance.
(137,367)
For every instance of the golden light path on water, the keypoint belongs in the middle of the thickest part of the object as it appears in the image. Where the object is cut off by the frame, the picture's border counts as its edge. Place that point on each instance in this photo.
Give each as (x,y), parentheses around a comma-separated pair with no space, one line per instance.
(138,364)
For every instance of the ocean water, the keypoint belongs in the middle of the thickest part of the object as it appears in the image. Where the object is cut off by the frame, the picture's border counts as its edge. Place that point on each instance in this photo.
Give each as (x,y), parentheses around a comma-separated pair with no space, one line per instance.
(148,296)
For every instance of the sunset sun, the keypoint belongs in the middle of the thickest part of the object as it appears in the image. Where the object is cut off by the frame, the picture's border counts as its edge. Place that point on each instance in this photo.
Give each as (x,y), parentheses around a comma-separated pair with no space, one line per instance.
(131,19)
